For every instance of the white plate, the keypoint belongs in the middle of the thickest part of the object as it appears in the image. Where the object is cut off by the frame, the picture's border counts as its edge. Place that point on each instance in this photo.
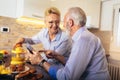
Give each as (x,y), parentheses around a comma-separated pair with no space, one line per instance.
(26,69)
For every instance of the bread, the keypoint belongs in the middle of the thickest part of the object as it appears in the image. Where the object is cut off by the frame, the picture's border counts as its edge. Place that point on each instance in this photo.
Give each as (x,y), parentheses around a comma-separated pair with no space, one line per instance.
(17,61)
(19,67)
(18,50)
(17,64)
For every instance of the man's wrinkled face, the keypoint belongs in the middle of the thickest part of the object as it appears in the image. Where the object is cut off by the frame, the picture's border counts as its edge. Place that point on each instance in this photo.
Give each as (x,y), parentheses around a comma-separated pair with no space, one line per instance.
(52,21)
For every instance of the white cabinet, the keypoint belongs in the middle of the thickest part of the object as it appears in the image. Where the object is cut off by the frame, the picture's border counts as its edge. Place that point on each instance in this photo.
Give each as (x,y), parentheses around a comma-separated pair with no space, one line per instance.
(35,7)
(18,8)
(11,8)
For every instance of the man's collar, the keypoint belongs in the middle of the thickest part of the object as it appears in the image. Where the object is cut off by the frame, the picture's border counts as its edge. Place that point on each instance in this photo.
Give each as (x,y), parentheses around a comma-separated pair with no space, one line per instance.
(78,33)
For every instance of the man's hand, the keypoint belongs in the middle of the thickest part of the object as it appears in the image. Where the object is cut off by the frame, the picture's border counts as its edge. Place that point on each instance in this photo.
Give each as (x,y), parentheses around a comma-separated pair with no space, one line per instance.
(35,58)
(50,54)
(57,56)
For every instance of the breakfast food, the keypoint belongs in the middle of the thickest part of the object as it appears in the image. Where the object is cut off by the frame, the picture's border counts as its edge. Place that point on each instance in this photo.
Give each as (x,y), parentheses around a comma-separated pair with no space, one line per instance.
(4,70)
(1,56)
(26,73)
(17,67)
(17,61)
(3,52)
(18,45)
(17,64)
(18,50)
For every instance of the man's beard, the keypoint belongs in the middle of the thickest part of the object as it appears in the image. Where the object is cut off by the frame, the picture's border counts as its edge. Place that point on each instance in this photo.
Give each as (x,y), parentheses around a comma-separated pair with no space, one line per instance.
(67,30)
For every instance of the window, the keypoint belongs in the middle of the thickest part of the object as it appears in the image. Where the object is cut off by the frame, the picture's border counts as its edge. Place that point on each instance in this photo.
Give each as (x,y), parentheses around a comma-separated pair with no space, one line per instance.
(118,31)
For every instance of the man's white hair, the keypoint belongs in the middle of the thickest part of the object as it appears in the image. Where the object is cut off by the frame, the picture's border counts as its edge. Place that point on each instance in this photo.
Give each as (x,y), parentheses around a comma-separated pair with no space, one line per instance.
(78,15)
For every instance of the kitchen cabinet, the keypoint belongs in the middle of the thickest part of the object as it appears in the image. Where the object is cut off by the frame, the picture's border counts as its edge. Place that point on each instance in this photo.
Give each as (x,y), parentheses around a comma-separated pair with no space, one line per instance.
(11,8)
(32,8)
(36,8)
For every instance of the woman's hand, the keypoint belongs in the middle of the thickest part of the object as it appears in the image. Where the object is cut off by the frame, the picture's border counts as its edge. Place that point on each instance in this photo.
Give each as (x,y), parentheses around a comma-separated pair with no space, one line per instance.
(19,43)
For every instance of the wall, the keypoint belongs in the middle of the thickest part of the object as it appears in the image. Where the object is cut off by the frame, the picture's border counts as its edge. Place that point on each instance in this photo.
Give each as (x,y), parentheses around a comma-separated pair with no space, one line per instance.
(117,1)
(17,30)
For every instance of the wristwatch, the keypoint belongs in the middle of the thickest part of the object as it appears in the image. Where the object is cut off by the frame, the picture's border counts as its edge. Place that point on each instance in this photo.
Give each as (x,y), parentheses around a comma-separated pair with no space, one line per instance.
(42,62)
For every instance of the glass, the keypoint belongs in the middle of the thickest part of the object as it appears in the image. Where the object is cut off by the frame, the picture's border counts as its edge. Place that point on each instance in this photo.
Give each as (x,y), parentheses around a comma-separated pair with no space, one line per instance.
(3,68)
(1,61)
(1,56)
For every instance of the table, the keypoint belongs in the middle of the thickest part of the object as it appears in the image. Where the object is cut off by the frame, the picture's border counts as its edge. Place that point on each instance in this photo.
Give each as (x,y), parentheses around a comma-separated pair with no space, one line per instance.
(34,71)
(42,71)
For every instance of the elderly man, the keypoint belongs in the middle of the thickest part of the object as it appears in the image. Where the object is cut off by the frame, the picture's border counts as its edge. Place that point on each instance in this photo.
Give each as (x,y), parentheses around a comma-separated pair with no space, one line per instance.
(87,60)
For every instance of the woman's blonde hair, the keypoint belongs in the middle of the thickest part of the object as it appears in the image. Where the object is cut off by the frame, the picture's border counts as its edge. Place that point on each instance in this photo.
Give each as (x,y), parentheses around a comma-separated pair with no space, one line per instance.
(52,10)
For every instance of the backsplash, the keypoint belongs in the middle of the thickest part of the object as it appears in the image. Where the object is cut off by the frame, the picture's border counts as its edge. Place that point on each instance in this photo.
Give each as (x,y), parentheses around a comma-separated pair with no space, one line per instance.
(16,31)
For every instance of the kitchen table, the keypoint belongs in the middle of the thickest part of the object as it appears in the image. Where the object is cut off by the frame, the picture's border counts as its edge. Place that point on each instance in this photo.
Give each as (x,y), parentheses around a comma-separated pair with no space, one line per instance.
(34,71)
